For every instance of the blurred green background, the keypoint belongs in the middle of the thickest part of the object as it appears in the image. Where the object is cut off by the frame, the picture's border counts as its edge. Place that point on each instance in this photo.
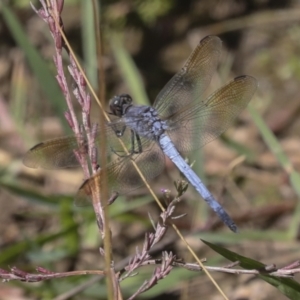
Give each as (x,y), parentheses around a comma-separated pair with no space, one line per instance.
(251,169)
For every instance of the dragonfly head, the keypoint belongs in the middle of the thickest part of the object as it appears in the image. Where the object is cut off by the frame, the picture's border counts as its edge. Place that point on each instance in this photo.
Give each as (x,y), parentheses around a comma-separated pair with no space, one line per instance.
(119,104)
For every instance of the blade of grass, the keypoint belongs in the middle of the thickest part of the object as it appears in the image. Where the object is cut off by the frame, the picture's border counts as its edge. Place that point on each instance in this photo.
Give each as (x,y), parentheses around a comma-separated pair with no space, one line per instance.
(129,70)
(9,253)
(18,91)
(89,42)
(31,195)
(284,161)
(287,286)
(39,67)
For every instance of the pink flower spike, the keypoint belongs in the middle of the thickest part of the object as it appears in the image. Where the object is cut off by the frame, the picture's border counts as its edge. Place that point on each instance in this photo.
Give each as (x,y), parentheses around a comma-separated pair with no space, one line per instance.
(82,80)
(19,272)
(60,83)
(87,104)
(4,271)
(44,271)
(69,119)
(60,5)
(58,42)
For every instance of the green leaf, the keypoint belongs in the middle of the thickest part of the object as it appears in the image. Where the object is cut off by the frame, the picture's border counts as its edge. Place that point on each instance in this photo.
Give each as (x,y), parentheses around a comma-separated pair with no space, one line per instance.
(287,286)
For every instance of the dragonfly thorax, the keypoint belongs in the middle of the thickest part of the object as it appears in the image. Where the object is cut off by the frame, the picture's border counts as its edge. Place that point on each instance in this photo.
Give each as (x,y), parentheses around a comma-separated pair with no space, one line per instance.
(144,120)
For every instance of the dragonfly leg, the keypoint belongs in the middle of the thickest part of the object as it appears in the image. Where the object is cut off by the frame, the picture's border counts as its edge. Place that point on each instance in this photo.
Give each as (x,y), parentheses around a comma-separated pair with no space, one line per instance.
(135,138)
(138,139)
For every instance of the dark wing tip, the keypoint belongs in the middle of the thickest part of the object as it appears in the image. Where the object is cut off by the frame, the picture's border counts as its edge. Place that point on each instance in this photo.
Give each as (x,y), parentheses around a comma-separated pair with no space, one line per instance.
(36,146)
(245,77)
(85,192)
(29,160)
(208,39)
(83,185)
(251,81)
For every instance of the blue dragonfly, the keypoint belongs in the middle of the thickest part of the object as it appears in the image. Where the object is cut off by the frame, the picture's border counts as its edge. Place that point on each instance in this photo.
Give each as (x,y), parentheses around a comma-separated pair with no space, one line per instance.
(180,121)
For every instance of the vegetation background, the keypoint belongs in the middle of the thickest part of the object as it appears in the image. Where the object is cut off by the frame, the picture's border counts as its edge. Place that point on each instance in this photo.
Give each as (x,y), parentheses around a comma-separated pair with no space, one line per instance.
(254,176)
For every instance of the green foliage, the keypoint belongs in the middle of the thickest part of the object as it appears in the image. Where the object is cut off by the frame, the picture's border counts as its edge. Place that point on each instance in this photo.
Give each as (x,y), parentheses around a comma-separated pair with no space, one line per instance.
(150,10)
(45,77)
(287,286)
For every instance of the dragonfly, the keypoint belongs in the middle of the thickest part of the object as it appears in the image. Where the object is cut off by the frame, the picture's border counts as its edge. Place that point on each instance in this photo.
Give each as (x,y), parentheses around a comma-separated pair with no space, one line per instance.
(181,120)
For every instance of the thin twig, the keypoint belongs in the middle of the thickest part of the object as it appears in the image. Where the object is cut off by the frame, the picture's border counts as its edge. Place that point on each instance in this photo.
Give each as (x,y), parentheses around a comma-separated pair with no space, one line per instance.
(42,275)
(158,274)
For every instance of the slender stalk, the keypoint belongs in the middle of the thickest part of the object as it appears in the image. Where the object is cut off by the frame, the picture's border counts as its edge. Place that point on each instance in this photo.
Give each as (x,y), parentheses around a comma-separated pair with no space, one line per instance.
(113,288)
(284,161)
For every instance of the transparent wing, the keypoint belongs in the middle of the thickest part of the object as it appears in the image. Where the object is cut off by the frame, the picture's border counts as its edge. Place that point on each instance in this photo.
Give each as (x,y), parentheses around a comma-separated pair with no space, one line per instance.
(52,154)
(191,81)
(199,124)
(122,176)
(59,152)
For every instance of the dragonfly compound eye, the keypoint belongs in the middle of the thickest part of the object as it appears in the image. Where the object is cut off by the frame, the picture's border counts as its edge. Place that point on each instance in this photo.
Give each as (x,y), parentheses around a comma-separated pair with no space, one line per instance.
(118,104)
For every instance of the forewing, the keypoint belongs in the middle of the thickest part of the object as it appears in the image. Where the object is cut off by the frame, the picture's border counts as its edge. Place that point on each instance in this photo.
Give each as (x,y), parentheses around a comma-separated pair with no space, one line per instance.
(189,84)
(59,153)
(199,124)
(52,154)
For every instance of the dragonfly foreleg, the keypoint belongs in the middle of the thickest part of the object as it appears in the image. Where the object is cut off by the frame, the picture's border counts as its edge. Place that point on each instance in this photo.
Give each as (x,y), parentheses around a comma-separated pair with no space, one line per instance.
(135,139)
(140,148)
